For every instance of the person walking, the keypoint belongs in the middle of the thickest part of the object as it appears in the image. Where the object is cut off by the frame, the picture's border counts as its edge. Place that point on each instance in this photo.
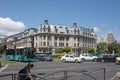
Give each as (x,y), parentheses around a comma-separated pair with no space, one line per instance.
(25,73)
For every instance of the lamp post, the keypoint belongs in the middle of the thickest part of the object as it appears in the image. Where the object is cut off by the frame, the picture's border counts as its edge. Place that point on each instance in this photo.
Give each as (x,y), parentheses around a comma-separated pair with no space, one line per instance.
(5,47)
(15,39)
(32,41)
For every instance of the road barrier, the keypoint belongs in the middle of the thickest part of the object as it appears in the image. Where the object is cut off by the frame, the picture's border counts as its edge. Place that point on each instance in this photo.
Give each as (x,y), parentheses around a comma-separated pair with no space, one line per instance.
(64,75)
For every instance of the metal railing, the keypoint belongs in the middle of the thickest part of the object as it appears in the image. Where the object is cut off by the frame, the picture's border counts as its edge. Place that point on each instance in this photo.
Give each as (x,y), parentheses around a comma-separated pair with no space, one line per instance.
(64,75)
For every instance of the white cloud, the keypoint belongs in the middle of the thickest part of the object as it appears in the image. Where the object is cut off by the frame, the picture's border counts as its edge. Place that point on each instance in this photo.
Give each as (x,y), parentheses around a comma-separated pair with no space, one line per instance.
(9,27)
(96,29)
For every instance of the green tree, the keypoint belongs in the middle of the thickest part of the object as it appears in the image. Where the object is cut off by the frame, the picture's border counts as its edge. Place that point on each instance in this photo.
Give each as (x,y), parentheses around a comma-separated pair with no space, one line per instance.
(1,49)
(59,50)
(102,48)
(108,48)
(114,47)
(66,49)
(91,50)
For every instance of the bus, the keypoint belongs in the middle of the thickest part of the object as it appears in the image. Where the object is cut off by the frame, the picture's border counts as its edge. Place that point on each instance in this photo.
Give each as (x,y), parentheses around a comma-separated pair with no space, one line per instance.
(21,54)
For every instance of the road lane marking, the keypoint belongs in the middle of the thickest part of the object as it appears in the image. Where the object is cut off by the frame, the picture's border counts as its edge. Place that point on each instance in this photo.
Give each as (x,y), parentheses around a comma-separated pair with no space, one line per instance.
(3,68)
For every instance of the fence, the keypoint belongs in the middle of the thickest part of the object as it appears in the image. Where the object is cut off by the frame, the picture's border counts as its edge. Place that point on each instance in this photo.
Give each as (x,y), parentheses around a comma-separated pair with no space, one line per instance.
(97,74)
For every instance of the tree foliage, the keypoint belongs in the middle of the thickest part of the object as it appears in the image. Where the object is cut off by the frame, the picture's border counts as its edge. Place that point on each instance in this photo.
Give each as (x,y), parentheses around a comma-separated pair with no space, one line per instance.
(108,48)
(101,48)
(59,50)
(114,47)
(91,50)
(66,49)
(1,49)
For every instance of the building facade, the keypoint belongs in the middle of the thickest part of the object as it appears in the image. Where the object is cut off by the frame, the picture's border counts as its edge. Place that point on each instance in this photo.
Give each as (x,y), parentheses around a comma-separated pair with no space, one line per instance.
(48,37)
(107,38)
(52,36)
(23,39)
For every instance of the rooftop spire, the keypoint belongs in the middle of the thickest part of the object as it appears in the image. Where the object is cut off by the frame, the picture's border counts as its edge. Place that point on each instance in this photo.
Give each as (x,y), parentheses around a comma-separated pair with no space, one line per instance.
(46,21)
(74,24)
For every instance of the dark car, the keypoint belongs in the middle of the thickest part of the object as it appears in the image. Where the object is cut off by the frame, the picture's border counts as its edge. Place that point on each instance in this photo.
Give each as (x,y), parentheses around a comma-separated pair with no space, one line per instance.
(43,57)
(107,58)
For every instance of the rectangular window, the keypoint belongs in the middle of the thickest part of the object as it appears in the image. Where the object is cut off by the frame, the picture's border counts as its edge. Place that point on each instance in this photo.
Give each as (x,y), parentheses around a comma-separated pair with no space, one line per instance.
(36,37)
(47,43)
(67,38)
(44,43)
(49,38)
(36,44)
(55,43)
(56,37)
(41,43)
(74,44)
(61,38)
(59,44)
(67,44)
(44,37)
(74,38)
(78,44)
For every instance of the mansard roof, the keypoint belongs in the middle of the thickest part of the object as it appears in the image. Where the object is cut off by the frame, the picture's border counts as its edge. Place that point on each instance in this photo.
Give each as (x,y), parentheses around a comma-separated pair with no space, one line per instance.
(61,28)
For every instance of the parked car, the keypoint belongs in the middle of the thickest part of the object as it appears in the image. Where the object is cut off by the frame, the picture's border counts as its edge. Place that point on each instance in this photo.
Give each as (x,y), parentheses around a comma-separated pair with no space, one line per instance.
(87,56)
(107,58)
(118,60)
(70,58)
(43,57)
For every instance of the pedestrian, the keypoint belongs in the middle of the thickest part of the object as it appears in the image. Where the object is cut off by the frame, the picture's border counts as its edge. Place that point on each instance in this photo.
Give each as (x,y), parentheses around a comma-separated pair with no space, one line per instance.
(25,73)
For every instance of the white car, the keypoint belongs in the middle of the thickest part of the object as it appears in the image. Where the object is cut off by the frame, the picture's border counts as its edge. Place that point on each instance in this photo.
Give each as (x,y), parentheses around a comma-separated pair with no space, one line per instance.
(87,56)
(70,58)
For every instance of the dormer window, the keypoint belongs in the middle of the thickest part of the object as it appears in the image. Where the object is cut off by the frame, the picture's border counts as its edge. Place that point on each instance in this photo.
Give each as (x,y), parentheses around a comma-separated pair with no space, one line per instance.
(44,26)
(56,30)
(46,21)
(48,30)
(75,30)
(44,30)
(60,27)
(67,30)
(61,32)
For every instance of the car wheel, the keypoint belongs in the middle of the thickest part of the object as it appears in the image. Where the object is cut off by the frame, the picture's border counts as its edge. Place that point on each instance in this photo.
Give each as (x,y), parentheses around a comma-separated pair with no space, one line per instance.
(117,62)
(94,59)
(76,61)
(82,59)
(46,60)
(63,60)
(102,60)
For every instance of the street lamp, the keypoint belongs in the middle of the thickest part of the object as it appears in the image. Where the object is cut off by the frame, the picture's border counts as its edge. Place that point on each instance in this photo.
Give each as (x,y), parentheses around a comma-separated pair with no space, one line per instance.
(5,47)
(15,39)
(32,41)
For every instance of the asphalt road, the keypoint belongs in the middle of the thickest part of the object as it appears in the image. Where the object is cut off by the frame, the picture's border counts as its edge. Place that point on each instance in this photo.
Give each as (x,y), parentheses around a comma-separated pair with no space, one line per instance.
(42,69)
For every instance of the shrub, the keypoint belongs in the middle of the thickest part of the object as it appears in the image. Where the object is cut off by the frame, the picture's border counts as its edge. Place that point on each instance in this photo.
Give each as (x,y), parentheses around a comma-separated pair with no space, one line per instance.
(56,56)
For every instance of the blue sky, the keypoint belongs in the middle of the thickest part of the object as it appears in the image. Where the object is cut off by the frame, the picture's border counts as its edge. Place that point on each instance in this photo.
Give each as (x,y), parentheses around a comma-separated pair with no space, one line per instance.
(101,14)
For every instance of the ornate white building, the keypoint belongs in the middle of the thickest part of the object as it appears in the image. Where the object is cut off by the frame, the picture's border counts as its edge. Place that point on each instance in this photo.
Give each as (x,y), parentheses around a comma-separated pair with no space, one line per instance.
(22,39)
(49,37)
(52,36)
